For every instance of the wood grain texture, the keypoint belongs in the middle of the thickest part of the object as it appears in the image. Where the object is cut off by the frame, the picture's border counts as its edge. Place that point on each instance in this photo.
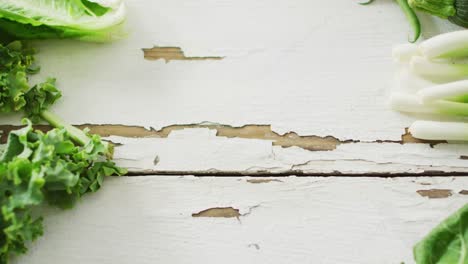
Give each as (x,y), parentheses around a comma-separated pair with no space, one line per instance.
(148,220)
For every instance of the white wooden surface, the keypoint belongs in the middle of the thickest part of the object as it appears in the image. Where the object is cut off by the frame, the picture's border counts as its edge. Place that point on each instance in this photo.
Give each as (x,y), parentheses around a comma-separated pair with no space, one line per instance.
(312,68)
(308,67)
(148,220)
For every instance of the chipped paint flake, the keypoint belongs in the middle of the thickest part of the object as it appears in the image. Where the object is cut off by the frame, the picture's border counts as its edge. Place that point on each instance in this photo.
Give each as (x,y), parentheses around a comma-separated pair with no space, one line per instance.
(408,138)
(222,212)
(435,193)
(261,132)
(172,53)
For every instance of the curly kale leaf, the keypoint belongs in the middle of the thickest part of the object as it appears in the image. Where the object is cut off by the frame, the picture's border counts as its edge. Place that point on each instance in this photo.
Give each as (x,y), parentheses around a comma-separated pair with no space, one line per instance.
(16,93)
(39,167)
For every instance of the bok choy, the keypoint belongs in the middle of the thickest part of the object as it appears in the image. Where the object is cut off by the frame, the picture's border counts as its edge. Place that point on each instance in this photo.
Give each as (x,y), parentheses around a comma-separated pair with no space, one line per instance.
(437,84)
(442,62)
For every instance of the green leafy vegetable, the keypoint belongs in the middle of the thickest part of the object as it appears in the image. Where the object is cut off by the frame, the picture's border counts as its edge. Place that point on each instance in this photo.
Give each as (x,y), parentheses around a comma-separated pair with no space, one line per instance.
(437,83)
(447,243)
(94,20)
(37,167)
(16,94)
(59,166)
(456,11)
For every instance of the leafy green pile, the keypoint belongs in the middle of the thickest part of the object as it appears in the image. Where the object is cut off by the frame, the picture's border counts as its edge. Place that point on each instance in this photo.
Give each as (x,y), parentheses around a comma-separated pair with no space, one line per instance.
(38,167)
(59,166)
(16,94)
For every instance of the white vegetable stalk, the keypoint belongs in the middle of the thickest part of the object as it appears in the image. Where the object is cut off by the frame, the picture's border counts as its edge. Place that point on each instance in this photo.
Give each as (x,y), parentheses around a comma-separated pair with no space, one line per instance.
(404,52)
(439,60)
(409,103)
(449,108)
(444,91)
(438,70)
(448,45)
(431,130)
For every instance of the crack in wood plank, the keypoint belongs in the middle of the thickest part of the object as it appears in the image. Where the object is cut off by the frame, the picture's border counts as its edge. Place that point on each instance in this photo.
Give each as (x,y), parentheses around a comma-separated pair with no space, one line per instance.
(295,173)
(172,53)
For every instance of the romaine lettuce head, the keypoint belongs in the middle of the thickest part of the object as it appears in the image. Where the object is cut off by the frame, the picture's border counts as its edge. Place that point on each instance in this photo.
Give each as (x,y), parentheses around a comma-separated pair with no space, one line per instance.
(91,20)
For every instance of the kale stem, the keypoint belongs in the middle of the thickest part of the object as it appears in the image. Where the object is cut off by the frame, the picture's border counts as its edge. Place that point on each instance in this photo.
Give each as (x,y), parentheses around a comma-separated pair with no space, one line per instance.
(412,18)
(76,134)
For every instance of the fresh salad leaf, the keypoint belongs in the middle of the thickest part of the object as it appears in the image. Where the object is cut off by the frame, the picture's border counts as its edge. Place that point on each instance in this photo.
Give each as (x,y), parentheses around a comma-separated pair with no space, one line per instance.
(39,167)
(447,243)
(92,20)
(16,94)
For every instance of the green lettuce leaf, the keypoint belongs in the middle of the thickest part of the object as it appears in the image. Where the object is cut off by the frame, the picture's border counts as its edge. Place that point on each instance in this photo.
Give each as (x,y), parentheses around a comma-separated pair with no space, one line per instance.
(447,243)
(93,20)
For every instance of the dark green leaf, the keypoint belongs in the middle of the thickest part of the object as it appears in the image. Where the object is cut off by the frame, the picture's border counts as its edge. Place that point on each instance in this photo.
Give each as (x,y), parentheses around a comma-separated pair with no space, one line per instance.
(447,243)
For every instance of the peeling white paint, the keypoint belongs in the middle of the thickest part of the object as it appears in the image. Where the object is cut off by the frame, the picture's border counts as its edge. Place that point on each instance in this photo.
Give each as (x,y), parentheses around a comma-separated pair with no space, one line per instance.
(208,152)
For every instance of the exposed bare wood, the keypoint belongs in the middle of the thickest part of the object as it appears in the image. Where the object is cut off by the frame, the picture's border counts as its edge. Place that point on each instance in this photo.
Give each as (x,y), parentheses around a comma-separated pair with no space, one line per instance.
(172,53)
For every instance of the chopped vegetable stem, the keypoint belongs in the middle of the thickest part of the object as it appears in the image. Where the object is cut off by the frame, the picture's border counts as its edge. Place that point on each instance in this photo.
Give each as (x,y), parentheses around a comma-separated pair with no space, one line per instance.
(76,134)
(412,18)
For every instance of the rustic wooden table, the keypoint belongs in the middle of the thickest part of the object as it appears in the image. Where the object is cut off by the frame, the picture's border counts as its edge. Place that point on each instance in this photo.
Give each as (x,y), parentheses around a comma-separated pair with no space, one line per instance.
(202,90)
